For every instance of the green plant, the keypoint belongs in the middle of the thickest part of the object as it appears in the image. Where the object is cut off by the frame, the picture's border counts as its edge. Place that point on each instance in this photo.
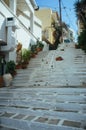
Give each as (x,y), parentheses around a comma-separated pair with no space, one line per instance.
(10,67)
(33,48)
(80,9)
(40,44)
(25,55)
(82,40)
(0,59)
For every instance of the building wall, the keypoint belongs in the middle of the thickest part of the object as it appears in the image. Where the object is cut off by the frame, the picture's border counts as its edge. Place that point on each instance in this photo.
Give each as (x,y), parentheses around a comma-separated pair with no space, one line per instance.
(2,27)
(8,33)
(37,28)
(13,35)
(68,35)
(22,35)
(80,27)
(25,37)
(45,15)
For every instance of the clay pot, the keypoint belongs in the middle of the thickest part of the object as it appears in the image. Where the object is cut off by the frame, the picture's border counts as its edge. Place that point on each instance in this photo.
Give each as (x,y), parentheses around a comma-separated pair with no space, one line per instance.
(1,81)
(7,79)
(59,58)
(19,66)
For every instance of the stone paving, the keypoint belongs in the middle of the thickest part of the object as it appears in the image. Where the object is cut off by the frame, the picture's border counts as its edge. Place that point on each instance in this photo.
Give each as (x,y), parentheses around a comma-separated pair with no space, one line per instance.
(48,95)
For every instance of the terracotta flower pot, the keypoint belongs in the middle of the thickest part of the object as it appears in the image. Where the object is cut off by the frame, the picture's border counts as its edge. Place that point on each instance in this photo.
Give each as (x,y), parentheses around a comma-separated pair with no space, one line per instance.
(1,81)
(18,66)
(39,49)
(33,56)
(59,58)
(24,66)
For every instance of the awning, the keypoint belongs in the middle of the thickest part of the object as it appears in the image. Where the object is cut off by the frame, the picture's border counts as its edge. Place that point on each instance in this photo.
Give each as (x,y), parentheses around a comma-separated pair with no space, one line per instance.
(2,43)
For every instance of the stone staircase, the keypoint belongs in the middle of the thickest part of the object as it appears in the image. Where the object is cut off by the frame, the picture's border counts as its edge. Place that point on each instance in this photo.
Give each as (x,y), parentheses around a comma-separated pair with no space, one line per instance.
(48,95)
(42,109)
(45,71)
(24,75)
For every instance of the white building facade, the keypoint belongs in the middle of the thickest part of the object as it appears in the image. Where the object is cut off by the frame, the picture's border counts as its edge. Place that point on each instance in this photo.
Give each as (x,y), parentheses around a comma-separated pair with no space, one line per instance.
(68,35)
(18,24)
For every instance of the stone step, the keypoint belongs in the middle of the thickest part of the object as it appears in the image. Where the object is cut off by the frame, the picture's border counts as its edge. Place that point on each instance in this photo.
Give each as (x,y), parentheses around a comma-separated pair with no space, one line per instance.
(44,67)
(48,95)
(41,123)
(38,108)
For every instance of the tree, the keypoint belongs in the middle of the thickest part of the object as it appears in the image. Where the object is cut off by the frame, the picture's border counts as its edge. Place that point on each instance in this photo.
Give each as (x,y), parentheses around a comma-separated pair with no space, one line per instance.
(82,40)
(80,9)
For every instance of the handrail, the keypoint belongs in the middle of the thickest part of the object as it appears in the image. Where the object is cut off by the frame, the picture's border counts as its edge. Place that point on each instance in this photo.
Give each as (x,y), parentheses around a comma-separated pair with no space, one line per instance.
(2,14)
(24,27)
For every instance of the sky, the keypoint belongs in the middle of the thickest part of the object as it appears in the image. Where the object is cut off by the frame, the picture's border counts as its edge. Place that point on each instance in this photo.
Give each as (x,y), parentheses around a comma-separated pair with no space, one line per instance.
(68,12)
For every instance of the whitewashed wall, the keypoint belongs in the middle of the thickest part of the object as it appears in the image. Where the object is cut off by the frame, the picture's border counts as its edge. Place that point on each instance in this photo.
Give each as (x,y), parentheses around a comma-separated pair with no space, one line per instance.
(22,36)
(2,27)
(5,13)
(26,38)
(37,28)
(18,35)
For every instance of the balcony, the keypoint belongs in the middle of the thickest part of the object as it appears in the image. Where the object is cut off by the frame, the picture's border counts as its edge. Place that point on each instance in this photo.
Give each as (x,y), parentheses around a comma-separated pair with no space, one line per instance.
(13,22)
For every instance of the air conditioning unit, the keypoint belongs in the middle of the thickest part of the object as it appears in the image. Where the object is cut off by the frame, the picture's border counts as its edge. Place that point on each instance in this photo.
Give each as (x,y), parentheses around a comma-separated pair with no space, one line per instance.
(12,21)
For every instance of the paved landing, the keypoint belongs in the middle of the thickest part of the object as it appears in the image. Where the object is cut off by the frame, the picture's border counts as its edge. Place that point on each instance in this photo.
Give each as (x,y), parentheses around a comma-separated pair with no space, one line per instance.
(43,109)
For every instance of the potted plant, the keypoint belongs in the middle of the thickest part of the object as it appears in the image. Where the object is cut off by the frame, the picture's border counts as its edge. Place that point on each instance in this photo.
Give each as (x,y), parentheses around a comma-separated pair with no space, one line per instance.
(10,72)
(1,81)
(25,57)
(10,67)
(39,45)
(19,65)
(19,56)
(33,50)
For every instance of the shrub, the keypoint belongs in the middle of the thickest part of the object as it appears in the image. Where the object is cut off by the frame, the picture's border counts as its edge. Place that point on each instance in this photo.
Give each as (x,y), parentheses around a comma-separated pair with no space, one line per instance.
(25,55)
(40,44)
(82,40)
(33,48)
(10,67)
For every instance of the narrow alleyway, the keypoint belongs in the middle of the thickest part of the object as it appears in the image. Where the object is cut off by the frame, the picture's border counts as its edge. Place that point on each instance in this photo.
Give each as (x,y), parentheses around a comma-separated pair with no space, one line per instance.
(49,94)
